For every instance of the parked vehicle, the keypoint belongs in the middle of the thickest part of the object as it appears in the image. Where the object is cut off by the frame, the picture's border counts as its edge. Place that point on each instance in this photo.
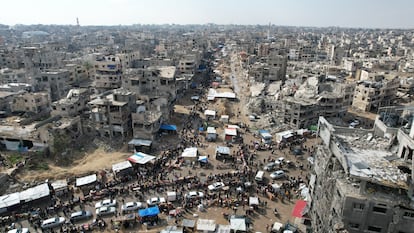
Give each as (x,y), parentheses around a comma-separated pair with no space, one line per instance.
(80,215)
(216,186)
(52,222)
(194,194)
(105,210)
(105,203)
(155,201)
(277,174)
(19,230)
(131,206)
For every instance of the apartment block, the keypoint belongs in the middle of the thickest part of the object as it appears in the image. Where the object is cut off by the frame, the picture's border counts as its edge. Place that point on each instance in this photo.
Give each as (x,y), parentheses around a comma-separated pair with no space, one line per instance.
(35,103)
(108,72)
(359,183)
(74,104)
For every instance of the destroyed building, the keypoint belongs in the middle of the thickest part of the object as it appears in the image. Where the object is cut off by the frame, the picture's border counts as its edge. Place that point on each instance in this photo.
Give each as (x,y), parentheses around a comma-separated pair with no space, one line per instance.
(74,104)
(373,92)
(316,97)
(362,181)
(111,113)
(108,72)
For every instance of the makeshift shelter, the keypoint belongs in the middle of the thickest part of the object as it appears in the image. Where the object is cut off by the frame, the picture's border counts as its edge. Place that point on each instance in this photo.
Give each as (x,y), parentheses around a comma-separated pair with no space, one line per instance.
(230,134)
(168,128)
(188,223)
(35,194)
(265,136)
(149,214)
(222,152)
(122,169)
(253,201)
(224,118)
(300,209)
(210,114)
(172,229)
(9,202)
(190,154)
(140,145)
(238,224)
(86,183)
(206,225)
(277,227)
(223,229)
(203,159)
(60,187)
(140,158)
(284,136)
(211,134)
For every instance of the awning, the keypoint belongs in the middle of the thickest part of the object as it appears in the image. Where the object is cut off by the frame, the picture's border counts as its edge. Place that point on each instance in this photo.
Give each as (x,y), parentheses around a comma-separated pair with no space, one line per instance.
(168,127)
(140,142)
(203,159)
(298,210)
(117,167)
(188,223)
(206,225)
(189,152)
(238,224)
(231,132)
(223,150)
(85,180)
(152,211)
(140,158)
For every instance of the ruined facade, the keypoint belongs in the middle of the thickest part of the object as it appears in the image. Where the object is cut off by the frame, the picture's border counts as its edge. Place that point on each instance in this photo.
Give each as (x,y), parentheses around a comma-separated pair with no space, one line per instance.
(359,183)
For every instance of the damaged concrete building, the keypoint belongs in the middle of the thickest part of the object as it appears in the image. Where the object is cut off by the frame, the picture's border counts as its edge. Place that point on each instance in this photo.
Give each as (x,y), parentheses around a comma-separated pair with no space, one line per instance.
(74,104)
(362,181)
(373,92)
(316,97)
(111,113)
(108,72)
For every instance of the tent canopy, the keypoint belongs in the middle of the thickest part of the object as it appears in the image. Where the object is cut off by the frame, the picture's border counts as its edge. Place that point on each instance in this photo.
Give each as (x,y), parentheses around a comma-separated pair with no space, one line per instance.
(206,225)
(140,142)
(223,150)
(140,158)
(168,127)
(230,131)
(203,159)
(190,152)
(298,210)
(152,211)
(238,224)
(253,201)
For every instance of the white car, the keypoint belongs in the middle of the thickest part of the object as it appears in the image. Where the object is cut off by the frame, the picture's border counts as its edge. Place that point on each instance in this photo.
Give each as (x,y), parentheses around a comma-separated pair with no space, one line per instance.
(281,159)
(105,203)
(194,194)
(155,201)
(277,174)
(105,210)
(52,222)
(20,230)
(216,186)
(131,206)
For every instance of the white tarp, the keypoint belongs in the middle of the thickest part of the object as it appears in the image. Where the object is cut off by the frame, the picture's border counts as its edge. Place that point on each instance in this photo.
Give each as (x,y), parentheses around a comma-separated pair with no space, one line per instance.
(117,167)
(190,152)
(9,200)
(238,224)
(281,135)
(60,185)
(206,225)
(211,130)
(230,131)
(210,113)
(223,229)
(253,201)
(35,193)
(140,158)
(85,180)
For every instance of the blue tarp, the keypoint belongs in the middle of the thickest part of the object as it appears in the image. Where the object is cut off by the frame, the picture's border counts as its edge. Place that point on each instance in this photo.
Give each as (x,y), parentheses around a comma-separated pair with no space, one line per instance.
(168,127)
(152,211)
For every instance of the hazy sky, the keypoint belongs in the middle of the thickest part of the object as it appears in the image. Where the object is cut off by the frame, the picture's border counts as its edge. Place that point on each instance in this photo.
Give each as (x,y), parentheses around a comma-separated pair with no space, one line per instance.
(344,13)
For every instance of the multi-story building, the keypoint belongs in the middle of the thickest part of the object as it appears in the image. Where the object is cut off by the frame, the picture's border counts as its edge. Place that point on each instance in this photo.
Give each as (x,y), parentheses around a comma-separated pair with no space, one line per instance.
(54,82)
(188,64)
(329,99)
(36,103)
(77,74)
(108,73)
(375,92)
(12,76)
(111,113)
(362,181)
(73,104)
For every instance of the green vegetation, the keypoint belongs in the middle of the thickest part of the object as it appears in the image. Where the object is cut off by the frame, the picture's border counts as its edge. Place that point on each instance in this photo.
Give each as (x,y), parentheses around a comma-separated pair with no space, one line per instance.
(14,158)
(41,165)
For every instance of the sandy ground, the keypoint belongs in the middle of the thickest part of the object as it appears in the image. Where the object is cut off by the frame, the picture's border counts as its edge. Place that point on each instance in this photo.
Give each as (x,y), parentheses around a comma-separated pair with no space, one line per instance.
(98,159)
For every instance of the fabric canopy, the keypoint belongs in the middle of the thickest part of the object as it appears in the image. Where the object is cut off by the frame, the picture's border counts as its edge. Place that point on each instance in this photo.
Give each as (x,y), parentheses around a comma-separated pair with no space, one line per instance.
(152,211)
(168,127)
(140,158)
(298,211)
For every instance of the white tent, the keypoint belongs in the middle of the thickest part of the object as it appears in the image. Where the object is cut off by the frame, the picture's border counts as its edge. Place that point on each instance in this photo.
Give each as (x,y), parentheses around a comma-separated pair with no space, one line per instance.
(121,166)
(238,224)
(206,225)
(253,201)
(85,180)
(211,113)
(190,153)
